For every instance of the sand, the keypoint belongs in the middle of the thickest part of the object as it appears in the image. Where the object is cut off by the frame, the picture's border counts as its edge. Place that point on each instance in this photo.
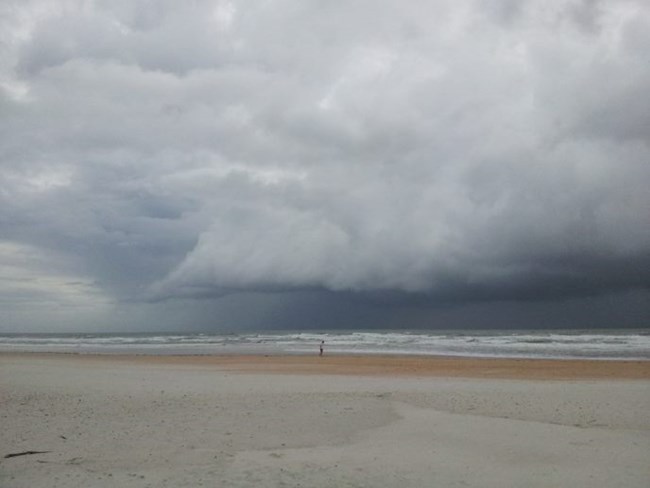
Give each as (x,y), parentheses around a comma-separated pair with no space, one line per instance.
(322,422)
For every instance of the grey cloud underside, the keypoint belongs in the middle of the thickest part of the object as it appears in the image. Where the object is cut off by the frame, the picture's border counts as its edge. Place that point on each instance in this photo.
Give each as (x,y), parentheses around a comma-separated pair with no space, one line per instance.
(405,154)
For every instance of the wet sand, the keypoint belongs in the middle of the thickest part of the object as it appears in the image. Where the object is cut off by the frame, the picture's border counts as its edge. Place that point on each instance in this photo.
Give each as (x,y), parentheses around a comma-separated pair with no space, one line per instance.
(379,365)
(375,421)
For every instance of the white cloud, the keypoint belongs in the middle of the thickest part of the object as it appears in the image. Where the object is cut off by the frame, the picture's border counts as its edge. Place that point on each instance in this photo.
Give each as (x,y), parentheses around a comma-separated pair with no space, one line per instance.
(29,276)
(433,147)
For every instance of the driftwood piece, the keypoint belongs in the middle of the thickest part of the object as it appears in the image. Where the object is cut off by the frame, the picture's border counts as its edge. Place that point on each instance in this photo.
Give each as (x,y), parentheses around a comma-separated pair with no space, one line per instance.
(24,453)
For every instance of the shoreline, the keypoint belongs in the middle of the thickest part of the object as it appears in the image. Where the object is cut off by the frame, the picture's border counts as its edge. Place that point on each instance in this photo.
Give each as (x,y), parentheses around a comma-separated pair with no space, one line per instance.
(372,365)
(289,421)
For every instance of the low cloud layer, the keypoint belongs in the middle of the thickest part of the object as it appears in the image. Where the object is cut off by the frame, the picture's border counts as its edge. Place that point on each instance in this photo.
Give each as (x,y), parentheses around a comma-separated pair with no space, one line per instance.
(460,152)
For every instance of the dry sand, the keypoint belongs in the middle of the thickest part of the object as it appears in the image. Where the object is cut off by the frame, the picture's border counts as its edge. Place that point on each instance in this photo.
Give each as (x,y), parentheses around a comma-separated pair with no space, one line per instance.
(324,422)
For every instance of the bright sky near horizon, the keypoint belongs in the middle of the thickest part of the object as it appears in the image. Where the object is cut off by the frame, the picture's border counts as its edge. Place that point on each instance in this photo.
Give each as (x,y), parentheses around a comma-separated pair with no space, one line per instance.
(298,163)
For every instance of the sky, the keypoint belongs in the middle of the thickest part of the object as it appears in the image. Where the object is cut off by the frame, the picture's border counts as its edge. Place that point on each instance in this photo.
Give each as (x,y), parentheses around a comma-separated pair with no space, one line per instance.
(306,164)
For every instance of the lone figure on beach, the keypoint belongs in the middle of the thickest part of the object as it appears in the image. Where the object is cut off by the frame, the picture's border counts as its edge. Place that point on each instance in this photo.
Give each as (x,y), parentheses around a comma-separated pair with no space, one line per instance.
(322,344)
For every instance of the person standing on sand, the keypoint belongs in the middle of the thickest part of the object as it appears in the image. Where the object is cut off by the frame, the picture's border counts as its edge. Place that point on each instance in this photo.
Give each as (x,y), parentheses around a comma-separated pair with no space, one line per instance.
(322,344)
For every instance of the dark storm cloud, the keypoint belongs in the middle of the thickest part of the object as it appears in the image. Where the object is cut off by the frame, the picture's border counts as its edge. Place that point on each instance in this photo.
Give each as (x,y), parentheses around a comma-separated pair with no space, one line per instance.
(366,152)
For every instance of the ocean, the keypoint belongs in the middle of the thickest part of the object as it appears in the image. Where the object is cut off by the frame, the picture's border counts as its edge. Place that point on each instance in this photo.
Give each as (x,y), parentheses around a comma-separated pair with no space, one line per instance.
(579,344)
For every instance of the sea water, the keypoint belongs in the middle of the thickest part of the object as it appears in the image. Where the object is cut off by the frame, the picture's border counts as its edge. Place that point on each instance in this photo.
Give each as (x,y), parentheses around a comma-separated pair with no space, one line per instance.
(586,344)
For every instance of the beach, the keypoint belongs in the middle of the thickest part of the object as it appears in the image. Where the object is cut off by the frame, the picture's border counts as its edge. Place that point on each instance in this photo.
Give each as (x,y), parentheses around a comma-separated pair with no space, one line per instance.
(374,421)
